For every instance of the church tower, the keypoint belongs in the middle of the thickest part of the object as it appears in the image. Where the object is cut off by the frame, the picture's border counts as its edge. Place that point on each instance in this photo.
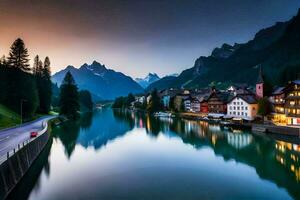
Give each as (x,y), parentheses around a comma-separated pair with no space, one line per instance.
(260,84)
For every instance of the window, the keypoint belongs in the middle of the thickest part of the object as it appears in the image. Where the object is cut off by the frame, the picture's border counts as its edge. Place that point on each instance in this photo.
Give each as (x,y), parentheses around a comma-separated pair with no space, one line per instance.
(238,113)
(242,103)
(246,108)
(229,113)
(233,107)
(234,113)
(245,114)
(242,108)
(238,108)
(234,103)
(238,103)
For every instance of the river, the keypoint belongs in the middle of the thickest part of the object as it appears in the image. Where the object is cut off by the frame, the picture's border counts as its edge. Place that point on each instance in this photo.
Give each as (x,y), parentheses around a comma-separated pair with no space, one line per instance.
(114,154)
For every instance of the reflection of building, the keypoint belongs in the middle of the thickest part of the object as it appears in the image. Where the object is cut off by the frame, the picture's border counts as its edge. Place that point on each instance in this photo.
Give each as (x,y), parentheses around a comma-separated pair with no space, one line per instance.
(239,141)
(288,155)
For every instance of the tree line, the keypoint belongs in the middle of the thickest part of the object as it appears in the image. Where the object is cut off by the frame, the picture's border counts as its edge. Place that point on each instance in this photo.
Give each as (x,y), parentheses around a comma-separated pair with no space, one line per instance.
(154,105)
(29,91)
(23,87)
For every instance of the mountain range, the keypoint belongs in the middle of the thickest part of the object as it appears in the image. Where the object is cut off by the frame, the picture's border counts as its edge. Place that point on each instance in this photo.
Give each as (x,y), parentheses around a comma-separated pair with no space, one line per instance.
(276,49)
(103,83)
(150,78)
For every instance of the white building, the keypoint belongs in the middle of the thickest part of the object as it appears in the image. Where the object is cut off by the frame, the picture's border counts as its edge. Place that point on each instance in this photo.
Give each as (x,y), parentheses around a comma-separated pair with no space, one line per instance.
(242,106)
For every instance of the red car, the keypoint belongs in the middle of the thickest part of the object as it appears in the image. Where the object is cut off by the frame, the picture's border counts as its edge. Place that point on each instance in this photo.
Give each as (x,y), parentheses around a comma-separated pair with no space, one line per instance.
(33,134)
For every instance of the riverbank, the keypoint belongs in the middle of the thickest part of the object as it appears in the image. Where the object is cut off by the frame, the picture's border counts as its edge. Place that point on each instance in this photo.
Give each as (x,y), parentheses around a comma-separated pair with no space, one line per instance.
(255,127)
(17,162)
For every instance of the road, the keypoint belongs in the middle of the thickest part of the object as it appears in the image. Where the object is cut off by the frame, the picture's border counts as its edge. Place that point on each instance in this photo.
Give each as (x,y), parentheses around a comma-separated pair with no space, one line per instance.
(11,137)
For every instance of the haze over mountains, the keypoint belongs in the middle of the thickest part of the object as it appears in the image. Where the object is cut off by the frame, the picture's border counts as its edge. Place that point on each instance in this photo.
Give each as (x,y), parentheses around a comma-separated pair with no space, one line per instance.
(276,49)
(103,83)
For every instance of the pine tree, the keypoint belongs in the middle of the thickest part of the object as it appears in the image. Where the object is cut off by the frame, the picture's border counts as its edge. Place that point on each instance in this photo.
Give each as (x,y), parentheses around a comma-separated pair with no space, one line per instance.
(36,61)
(69,98)
(18,56)
(46,72)
(155,104)
(3,61)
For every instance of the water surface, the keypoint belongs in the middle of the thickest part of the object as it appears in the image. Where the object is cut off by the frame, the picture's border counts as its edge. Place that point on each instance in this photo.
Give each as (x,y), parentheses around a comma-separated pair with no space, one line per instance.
(122,155)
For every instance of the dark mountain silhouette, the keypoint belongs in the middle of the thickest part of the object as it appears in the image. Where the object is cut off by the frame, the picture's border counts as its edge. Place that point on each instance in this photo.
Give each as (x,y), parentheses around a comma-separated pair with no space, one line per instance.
(276,49)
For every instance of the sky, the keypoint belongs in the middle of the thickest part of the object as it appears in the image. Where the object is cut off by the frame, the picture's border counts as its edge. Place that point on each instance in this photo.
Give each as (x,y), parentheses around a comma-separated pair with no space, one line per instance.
(134,36)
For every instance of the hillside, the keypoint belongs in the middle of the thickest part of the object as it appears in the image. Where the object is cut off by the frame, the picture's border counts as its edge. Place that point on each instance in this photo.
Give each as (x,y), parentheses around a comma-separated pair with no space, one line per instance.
(103,83)
(8,118)
(276,49)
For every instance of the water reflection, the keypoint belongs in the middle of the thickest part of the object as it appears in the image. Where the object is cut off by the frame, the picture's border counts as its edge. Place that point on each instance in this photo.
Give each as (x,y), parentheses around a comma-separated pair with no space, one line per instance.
(273,160)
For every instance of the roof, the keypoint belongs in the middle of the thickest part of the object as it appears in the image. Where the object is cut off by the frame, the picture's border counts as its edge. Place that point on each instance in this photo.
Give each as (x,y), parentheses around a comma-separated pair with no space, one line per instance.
(278,91)
(260,76)
(249,98)
(296,82)
(222,96)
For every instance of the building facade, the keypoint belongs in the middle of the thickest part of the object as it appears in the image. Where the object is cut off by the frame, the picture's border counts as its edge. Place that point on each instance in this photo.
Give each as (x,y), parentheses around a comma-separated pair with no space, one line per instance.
(217,102)
(242,106)
(292,103)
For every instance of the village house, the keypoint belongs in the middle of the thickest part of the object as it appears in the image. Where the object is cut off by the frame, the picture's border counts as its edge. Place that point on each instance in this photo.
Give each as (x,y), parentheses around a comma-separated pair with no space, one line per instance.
(292,103)
(217,102)
(242,107)
(277,99)
(195,105)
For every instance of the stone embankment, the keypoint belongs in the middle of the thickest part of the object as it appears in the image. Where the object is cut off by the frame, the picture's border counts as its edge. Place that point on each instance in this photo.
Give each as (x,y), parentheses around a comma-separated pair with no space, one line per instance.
(16,165)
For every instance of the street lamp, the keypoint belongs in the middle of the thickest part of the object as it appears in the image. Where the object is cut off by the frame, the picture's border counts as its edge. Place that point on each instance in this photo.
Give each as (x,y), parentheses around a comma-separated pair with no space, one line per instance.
(22,100)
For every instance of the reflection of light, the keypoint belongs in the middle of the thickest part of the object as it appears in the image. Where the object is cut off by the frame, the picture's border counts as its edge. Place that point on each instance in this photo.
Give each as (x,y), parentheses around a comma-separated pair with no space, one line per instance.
(236,131)
(296,147)
(148,123)
(214,128)
(292,168)
(141,123)
(239,141)
(213,139)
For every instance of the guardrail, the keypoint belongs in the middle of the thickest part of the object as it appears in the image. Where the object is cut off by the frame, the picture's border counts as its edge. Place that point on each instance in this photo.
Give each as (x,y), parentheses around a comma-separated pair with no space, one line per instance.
(3,158)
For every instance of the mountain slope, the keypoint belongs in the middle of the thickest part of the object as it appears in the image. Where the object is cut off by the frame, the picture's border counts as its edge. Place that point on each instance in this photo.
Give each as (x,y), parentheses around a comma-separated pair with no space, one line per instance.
(150,78)
(276,49)
(103,83)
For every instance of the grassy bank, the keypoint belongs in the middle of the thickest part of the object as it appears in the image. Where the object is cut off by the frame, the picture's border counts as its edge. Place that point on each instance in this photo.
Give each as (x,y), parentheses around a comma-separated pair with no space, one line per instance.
(8,118)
